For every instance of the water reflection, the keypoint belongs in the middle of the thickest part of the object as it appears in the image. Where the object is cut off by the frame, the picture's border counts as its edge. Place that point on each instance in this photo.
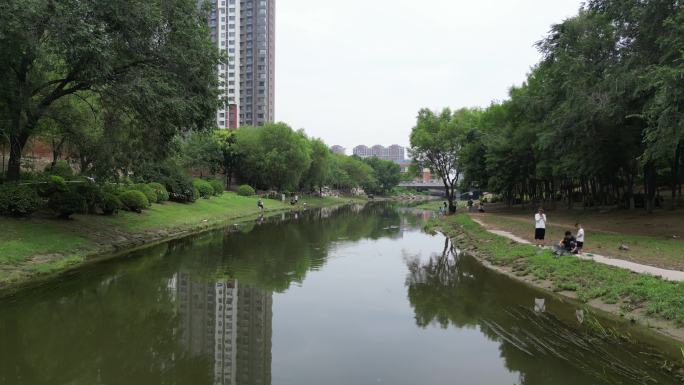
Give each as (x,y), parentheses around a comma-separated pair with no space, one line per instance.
(228,322)
(541,342)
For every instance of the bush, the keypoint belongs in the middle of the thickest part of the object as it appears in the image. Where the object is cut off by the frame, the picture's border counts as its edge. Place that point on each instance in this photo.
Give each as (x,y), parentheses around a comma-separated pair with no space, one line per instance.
(160,191)
(91,192)
(134,200)
(65,204)
(110,204)
(18,200)
(218,186)
(148,191)
(204,187)
(245,191)
(60,168)
(179,187)
(50,184)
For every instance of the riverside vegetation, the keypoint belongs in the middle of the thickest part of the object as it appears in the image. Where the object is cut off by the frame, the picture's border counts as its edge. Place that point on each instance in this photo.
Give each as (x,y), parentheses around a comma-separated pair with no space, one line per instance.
(633,295)
(40,246)
(598,121)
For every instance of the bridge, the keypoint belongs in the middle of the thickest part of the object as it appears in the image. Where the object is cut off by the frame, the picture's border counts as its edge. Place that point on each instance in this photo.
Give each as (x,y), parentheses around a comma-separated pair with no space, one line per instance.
(435,188)
(426,185)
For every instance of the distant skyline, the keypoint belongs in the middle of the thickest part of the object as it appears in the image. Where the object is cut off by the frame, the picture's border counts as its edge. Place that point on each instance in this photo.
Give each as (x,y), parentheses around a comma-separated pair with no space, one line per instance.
(357,72)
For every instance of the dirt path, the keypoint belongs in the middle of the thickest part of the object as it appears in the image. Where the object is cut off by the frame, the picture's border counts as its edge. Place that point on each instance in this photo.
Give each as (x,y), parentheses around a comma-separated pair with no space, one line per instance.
(671,275)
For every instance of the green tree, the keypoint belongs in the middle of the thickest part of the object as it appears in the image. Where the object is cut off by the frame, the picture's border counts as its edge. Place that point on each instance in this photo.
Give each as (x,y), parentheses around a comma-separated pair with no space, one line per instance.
(230,154)
(153,60)
(272,156)
(201,151)
(320,171)
(387,174)
(436,142)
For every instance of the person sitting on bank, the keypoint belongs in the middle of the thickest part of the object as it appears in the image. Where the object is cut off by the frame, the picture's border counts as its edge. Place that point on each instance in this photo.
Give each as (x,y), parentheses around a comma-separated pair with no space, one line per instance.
(481,208)
(568,243)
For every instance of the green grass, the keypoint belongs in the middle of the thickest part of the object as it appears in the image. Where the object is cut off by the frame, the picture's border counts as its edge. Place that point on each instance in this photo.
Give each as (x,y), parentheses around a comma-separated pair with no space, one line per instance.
(170,215)
(588,279)
(21,239)
(38,246)
(651,250)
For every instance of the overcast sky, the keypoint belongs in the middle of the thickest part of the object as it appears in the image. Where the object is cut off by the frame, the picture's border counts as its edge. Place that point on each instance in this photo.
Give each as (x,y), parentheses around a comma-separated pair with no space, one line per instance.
(357,71)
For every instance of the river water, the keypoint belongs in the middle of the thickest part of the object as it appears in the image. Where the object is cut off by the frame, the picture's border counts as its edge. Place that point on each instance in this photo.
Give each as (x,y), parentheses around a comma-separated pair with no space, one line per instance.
(354,295)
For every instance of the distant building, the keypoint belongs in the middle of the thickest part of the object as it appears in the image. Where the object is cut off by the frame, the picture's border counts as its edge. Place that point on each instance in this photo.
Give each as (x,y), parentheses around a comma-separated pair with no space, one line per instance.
(394,152)
(245,31)
(338,150)
(362,151)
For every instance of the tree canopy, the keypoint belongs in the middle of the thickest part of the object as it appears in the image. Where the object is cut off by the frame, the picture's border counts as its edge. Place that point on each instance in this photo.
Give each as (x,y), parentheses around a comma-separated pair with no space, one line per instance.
(148,66)
(598,120)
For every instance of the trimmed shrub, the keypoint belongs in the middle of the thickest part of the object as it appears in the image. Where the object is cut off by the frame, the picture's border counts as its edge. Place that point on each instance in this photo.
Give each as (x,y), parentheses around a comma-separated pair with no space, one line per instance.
(160,191)
(65,204)
(50,184)
(18,201)
(179,187)
(204,187)
(218,186)
(110,204)
(246,191)
(91,192)
(60,168)
(134,200)
(148,191)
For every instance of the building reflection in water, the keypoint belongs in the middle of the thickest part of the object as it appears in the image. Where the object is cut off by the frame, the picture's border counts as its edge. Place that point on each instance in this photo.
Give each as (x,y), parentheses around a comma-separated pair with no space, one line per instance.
(228,322)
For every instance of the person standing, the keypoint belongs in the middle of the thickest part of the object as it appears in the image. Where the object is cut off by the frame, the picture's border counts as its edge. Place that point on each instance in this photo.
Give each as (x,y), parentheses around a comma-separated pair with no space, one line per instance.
(540,227)
(579,239)
(260,205)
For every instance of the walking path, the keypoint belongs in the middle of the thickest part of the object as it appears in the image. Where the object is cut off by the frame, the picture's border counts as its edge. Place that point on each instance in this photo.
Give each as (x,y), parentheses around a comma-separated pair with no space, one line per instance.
(670,275)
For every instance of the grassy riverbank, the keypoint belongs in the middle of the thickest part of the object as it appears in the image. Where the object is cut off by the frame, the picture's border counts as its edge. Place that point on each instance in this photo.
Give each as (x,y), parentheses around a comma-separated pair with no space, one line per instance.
(656,239)
(35,247)
(635,296)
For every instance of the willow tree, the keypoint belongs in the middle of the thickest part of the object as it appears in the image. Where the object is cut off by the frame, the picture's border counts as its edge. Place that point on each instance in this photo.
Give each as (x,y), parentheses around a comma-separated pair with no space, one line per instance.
(436,142)
(151,60)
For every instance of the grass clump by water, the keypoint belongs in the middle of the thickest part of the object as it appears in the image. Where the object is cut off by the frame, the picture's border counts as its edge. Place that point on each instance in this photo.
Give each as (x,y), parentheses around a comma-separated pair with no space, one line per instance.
(588,279)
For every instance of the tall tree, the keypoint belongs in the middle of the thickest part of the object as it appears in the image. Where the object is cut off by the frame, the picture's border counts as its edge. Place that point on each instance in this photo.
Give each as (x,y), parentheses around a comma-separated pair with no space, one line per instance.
(319,173)
(152,59)
(436,142)
(273,156)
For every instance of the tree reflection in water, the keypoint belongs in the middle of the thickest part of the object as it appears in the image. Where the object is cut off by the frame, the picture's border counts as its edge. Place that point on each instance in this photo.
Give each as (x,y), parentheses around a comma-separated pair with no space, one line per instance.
(454,290)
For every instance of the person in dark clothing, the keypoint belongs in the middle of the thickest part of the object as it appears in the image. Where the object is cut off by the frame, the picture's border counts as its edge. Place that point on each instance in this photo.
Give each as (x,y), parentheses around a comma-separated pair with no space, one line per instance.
(260,205)
(568,243)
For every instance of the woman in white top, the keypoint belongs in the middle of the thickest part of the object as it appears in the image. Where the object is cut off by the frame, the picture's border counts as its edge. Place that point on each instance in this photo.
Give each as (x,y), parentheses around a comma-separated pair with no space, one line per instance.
(540,227)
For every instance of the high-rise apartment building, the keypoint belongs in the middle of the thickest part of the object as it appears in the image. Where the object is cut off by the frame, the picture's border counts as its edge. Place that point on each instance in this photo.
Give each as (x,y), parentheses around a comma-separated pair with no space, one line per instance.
(257,61)
(224,22)
(245,31)
(394,152)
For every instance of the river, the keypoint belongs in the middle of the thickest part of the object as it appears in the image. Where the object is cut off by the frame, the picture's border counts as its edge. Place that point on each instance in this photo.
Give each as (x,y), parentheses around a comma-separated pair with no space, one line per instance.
(352,295)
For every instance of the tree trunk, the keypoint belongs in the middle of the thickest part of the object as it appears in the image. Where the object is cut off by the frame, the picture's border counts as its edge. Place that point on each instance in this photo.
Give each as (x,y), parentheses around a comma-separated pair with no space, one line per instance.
(675,176)
(17,143)
(649,186)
